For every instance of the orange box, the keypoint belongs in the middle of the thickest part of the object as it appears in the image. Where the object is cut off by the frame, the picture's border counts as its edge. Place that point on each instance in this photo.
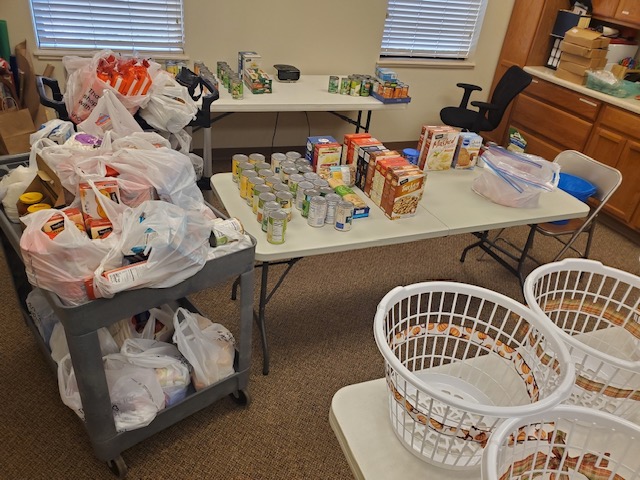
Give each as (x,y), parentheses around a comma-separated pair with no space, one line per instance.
(346,144)
(374,157)
(403,192)
(356,143)
(90,204)
(98,228)
(379,177)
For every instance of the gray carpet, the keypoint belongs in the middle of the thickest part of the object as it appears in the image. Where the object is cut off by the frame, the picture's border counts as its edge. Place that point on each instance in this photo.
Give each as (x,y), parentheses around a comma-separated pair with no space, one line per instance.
(320,332)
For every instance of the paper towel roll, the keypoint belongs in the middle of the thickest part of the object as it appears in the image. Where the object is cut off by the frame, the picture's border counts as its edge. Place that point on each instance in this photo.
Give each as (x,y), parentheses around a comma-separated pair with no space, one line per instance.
(5,47)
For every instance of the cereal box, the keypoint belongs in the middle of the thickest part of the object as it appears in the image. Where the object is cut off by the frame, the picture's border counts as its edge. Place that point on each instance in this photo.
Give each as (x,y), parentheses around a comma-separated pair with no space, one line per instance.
(403,192)
(468,149)
(439,148)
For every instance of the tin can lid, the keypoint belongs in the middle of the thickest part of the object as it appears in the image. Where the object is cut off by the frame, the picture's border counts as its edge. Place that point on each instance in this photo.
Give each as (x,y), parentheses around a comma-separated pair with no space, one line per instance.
(332,197)
(271,205)
(311,192)
(296,177)
(262,188)
(281,187)
(318,199)
(249,173)
(247,166)
(278,156)
(257,180)
(293,155)
(257,157)
(30,198)
(305,184)
(278,215)
(284,195)
(37,207)
(267,197)
(345,204)
(240,157)
(263,166)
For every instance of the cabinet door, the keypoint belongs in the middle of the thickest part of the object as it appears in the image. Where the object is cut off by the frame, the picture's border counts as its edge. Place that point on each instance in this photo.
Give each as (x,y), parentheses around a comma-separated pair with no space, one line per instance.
(604,8)
(629,11)
(607,147)
(627,197)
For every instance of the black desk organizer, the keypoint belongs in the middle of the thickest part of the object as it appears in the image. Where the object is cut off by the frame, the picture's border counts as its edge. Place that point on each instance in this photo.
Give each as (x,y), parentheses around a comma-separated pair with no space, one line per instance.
(82,322)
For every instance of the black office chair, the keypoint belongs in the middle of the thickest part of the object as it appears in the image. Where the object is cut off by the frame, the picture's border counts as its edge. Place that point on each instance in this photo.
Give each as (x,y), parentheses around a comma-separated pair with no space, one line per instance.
(488,115)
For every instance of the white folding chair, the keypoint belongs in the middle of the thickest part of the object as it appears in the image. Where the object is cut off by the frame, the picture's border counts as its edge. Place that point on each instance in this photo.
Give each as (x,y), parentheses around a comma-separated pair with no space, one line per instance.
(606,179)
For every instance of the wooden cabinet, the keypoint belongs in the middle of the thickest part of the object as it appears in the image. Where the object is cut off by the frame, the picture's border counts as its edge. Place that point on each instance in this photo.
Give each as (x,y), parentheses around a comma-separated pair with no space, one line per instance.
(614,144)
(625,12)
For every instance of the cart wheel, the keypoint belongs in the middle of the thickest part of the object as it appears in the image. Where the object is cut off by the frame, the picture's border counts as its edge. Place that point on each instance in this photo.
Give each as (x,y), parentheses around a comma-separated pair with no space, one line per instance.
(241,397)
(118,467)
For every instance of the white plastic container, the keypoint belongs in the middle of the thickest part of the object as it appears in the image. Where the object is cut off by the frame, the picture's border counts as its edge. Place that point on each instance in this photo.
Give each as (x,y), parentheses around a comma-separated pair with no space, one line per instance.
(566,442)
(459,359)
(595,310)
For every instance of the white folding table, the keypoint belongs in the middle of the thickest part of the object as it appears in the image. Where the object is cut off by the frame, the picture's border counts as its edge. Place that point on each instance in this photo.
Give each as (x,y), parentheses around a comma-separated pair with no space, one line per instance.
(309,94)
(448,207)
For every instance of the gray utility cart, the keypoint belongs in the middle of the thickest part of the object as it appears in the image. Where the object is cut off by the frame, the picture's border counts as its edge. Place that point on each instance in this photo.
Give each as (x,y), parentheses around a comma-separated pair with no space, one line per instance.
(82,322)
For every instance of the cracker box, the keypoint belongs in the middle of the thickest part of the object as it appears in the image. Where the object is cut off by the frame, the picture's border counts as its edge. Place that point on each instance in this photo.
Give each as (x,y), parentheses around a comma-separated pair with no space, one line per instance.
(371,168)
(90,205)
(312,141)
(356,143)
(405,187)
(347,148)
(467,151)
(362,164)
(326,155)
(439,148)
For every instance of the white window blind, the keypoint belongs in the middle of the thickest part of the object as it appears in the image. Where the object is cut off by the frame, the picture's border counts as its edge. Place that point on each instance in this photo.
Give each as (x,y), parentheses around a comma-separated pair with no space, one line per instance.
(445,29)
(120,25)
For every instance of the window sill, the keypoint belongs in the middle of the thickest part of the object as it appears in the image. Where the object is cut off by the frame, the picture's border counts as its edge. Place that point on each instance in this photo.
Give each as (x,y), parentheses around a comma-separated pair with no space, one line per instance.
(57,54)
(425,63)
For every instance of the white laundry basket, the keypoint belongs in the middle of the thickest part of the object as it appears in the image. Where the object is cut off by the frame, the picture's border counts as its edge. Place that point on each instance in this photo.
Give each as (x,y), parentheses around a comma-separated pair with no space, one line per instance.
(459,359)
(595,309)
(566,442)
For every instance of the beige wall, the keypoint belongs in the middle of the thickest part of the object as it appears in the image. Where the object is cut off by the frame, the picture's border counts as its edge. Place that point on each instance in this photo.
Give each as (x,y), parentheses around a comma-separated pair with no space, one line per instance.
(319,37)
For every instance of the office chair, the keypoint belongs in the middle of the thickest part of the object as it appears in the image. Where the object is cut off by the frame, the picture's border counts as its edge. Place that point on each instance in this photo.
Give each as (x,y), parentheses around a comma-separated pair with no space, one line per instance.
(606,180)
(488,115)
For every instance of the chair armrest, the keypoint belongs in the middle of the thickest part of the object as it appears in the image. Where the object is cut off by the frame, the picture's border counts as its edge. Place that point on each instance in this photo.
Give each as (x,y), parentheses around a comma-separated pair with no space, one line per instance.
(483,107)
(468,89)
(56,100)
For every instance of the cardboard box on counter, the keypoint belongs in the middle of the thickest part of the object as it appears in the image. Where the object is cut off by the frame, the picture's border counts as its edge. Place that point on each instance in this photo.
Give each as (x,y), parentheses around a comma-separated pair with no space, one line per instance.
(586,38)
(591,63)
(583,51)
(579,69)
(570,76)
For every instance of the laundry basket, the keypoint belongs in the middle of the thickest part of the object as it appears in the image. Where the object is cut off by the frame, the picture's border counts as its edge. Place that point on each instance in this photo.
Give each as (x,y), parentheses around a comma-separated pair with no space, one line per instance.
(596,311)
(459,359)
(566,442)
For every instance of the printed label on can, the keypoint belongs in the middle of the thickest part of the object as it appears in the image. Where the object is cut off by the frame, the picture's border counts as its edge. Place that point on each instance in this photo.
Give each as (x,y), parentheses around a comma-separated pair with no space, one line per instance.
(276,227)
(344,216)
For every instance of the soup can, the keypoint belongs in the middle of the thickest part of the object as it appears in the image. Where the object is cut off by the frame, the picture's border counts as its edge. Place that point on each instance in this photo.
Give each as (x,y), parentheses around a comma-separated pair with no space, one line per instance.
(285,199)
(305,169)
(257,191)
(256,158)
(294,180)
(309,193)
(276,160)
(302,186)
(265,172)
(320,182)
(276,227)
(310,176)
(344,216)
(317,211)
(245,187)
(293,156)
(240,168)
(334,84)
(332,203)
(263,166)
(300,162)
(263,198)
(267,209)
(253,182)
(345,86)
(235,160)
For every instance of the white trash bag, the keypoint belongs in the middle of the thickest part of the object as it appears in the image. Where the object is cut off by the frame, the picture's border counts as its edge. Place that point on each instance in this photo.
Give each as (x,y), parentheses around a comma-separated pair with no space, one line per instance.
(170,107)
(209,347)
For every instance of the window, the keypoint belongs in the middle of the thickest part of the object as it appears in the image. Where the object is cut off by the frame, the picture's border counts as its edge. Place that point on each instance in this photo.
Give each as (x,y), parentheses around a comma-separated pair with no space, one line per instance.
(119,25)
(432,29)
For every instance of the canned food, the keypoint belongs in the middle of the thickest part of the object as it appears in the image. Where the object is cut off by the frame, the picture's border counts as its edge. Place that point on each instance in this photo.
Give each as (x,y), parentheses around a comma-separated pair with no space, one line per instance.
(287,164)
(265,172)
(263,166)
(257,191)
(332,203)
(356,85)
(198,66)
(320,182)
(317,211)
(253,182)
(263,198)
(344,216)
(334,84)
(236,88)
(302,162)
(365,87)
(305,169)
(280,187)
(285,199)
(256,158)
(302,186)
(308,194)
(241,168)
(272,180)
(225,231)
(285,173)
(276,227)
(267,209)
(293,156)
(294,180)
(235,161)
(310,176)
(324,191)
(345,86)
(276,159)
(245,185)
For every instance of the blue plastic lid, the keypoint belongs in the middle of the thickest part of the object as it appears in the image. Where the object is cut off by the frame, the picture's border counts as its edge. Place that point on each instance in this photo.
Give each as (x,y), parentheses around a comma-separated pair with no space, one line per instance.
(576,186)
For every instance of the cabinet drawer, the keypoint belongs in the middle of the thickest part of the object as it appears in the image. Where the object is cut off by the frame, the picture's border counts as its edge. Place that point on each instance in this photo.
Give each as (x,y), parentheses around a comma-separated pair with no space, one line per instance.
(556,125)
(565,99)
(620,120)
(537,145)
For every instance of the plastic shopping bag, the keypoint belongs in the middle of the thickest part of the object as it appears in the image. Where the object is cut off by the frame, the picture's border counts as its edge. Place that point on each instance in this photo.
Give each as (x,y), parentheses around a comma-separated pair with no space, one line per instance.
(209,347)
(59,347)
(160,246)
(135,392)
(109,114)
(64,263)
(170,366)
(170,107)
(158,326)
(515,179)
(58,131)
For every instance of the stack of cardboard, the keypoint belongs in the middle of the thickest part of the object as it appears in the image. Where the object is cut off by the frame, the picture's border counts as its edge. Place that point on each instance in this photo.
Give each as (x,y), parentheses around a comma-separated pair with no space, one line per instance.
(582,50)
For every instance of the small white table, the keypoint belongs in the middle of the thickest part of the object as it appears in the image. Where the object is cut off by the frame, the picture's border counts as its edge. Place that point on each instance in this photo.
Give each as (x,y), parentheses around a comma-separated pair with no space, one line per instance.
(448,206)
(309,94)
(359,417)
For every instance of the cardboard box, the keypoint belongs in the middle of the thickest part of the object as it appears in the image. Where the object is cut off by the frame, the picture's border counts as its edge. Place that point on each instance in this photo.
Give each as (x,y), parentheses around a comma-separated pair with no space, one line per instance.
(326,155)
(380,175)
(570,77)
(257,81)
(362,164)
(313,141)
(583,51)
(586,38)
(580,69)
(467,151)
(356,144)
(438,148)
(374,157)
(592,63)
(346,144)
(404,190)
(48,184)
(247,59)
(15,128)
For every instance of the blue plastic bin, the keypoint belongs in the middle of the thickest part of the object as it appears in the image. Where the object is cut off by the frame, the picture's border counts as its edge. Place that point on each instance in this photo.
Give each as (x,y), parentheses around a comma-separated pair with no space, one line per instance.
(577,187)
